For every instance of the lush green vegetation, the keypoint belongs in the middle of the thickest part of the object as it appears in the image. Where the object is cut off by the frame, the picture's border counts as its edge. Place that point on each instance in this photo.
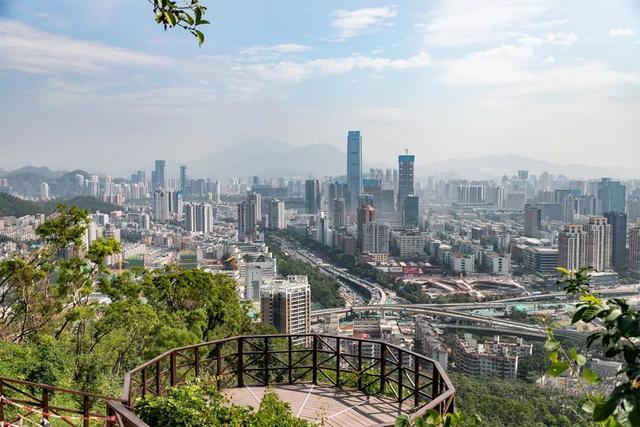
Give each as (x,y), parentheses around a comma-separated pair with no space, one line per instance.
(201,405)
(14,206)
(324,289)
(515,403)
(52,332)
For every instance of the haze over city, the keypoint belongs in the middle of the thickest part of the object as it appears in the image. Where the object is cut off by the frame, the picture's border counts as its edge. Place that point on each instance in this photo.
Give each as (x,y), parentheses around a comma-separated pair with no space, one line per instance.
(85,85)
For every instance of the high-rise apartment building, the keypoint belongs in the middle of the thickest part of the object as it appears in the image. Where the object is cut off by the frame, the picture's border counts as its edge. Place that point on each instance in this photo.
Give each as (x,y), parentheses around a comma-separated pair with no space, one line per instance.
(375,238)
(405,177)
(286,304)
(312,196)
(612,195)
(365,215)
(586,245)
(198,217)
(158,178)
(618,221)
(532,221)
(275,214)
(634,250)
(44,191)
(247,223)
(161,205)
(471,194)
(354,165)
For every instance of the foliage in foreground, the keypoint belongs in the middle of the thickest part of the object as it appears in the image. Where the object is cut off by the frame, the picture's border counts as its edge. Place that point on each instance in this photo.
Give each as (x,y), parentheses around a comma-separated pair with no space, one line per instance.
(202,405)
(618,332)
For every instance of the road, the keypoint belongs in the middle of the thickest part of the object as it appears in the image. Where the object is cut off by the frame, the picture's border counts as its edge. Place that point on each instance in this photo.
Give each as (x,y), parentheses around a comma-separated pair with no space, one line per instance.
(294,250)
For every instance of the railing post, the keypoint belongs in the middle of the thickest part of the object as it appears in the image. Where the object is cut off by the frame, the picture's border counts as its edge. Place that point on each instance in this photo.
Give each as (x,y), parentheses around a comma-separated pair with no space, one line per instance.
(383,368)
(196,361)
(240,362)
(143,379)
(435,383)
(338,362)
(400,380)
(266,360)
(1,401)
(158,378)
(416,381)
(314,360)
(290,360)
(85,411)
(360,374)
(45,404)
(172,368)
(218,366)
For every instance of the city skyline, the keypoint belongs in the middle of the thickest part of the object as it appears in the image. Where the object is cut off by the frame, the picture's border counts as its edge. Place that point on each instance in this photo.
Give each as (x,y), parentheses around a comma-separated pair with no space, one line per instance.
(542,79)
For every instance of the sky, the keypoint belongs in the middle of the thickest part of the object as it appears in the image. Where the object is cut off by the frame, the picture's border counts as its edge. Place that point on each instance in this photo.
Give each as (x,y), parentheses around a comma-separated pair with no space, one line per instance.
(99,85)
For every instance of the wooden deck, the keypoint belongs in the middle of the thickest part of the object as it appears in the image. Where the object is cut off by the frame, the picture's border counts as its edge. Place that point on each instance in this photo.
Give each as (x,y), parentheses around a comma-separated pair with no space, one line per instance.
(324,404)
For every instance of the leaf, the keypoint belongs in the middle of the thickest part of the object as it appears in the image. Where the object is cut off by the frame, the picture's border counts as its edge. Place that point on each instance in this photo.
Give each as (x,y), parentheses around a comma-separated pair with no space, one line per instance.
(590,376)
(551,345)
(200,37)
(203,22)
(171,18)
(556,369)
(603,410)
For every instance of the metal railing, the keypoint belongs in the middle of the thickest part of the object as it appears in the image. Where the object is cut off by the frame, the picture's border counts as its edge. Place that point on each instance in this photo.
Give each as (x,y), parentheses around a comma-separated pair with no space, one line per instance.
(415,382)
(25,403)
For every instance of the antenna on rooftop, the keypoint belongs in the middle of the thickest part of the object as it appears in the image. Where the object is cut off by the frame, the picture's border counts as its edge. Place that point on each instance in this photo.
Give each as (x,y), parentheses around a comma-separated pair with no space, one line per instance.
(406,151)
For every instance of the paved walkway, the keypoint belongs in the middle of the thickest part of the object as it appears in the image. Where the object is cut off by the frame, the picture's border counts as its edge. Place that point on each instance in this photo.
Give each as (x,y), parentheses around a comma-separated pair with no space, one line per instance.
(324,404)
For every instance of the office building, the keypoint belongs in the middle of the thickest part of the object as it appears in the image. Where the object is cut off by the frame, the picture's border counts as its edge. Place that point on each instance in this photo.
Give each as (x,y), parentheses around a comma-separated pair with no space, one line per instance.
(375,238)
(540,260)
(618,221)
(612,195)
(411,212)
(183,179)
(338,215)
(247,223)
(387,201)
(312,196)
(286,304)
(532,221)
(408,243)
(354,166)
(157,176)
(405,177)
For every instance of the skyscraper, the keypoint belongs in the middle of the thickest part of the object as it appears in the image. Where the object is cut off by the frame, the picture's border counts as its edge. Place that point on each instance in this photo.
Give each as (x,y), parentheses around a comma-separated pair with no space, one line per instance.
(586,245)
(275,214)
(312,196)
(612,195)
(411,212)
(405,177)
(44,191)
(158,175)
(532,221)
(618,221)
(571,243)
(198,217)
(183,179)
(375,238)
(286,305)
(365,215)
(338,213)
(354,165)
(161,205)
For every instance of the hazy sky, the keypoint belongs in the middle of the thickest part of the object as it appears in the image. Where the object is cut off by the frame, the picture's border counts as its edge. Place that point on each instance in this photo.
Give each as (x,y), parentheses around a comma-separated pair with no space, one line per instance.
(98,85)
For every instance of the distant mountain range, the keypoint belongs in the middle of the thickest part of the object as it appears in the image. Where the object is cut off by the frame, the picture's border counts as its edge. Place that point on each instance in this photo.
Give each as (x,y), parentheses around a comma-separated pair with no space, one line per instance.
(272,158)
(275,158)
(495,166)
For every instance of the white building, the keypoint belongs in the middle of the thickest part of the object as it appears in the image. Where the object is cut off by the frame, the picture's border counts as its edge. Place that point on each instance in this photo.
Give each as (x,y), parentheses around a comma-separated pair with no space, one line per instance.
(286,304)
(461,263)
(44,191)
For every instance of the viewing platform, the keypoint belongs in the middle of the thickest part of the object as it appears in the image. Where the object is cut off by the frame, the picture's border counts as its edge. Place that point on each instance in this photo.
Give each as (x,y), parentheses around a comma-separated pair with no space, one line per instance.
(330,379)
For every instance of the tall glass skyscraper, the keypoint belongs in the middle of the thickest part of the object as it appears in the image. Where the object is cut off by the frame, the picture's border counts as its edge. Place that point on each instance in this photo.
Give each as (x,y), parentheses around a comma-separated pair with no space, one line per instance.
(354,165)
(405,177)
(158,175)
(612,195)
